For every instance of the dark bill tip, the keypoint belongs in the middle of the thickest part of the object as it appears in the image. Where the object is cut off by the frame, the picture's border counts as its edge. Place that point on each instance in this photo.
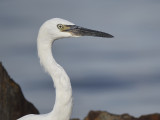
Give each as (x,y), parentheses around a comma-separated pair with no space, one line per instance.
(89,32)
(80,31)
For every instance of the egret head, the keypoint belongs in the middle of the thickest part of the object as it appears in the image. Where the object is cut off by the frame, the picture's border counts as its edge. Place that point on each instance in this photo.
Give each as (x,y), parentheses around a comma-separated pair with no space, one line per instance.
(58,28)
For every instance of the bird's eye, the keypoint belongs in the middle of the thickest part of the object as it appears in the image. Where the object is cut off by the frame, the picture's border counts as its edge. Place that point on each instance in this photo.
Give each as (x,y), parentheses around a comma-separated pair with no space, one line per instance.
(60,26)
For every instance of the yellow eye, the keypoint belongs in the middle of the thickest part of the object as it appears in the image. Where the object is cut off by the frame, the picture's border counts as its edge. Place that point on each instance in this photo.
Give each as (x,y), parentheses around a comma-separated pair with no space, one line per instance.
(60,26)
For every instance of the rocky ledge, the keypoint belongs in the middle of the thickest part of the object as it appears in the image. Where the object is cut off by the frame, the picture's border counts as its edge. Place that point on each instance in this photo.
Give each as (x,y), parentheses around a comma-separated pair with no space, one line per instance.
(13,105)
(103,115)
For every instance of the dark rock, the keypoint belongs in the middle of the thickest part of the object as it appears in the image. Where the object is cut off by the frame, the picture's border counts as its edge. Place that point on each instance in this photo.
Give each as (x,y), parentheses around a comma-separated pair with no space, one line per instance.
(13,105)
(74,119)
(102,115)
(155,116)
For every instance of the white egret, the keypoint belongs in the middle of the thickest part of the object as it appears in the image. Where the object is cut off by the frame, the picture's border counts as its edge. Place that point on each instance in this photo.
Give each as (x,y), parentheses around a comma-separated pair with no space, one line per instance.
(50,31)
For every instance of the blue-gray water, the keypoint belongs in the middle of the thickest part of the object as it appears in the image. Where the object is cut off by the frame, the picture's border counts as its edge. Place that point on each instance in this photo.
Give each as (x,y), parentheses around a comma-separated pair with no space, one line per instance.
(120,75)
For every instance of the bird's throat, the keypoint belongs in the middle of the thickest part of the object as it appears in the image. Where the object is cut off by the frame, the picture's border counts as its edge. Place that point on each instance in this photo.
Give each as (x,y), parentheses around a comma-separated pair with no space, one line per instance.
(63,103)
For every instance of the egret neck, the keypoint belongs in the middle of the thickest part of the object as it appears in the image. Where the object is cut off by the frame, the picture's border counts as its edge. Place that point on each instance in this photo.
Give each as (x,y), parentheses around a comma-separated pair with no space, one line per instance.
(63,102)
(51,30)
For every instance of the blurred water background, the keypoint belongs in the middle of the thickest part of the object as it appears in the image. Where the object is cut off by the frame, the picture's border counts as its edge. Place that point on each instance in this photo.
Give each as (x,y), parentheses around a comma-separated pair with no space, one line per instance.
(120,75)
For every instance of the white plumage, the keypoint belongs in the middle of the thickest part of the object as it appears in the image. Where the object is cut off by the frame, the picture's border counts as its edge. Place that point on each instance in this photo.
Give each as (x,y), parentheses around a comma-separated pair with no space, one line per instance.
(50,31)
